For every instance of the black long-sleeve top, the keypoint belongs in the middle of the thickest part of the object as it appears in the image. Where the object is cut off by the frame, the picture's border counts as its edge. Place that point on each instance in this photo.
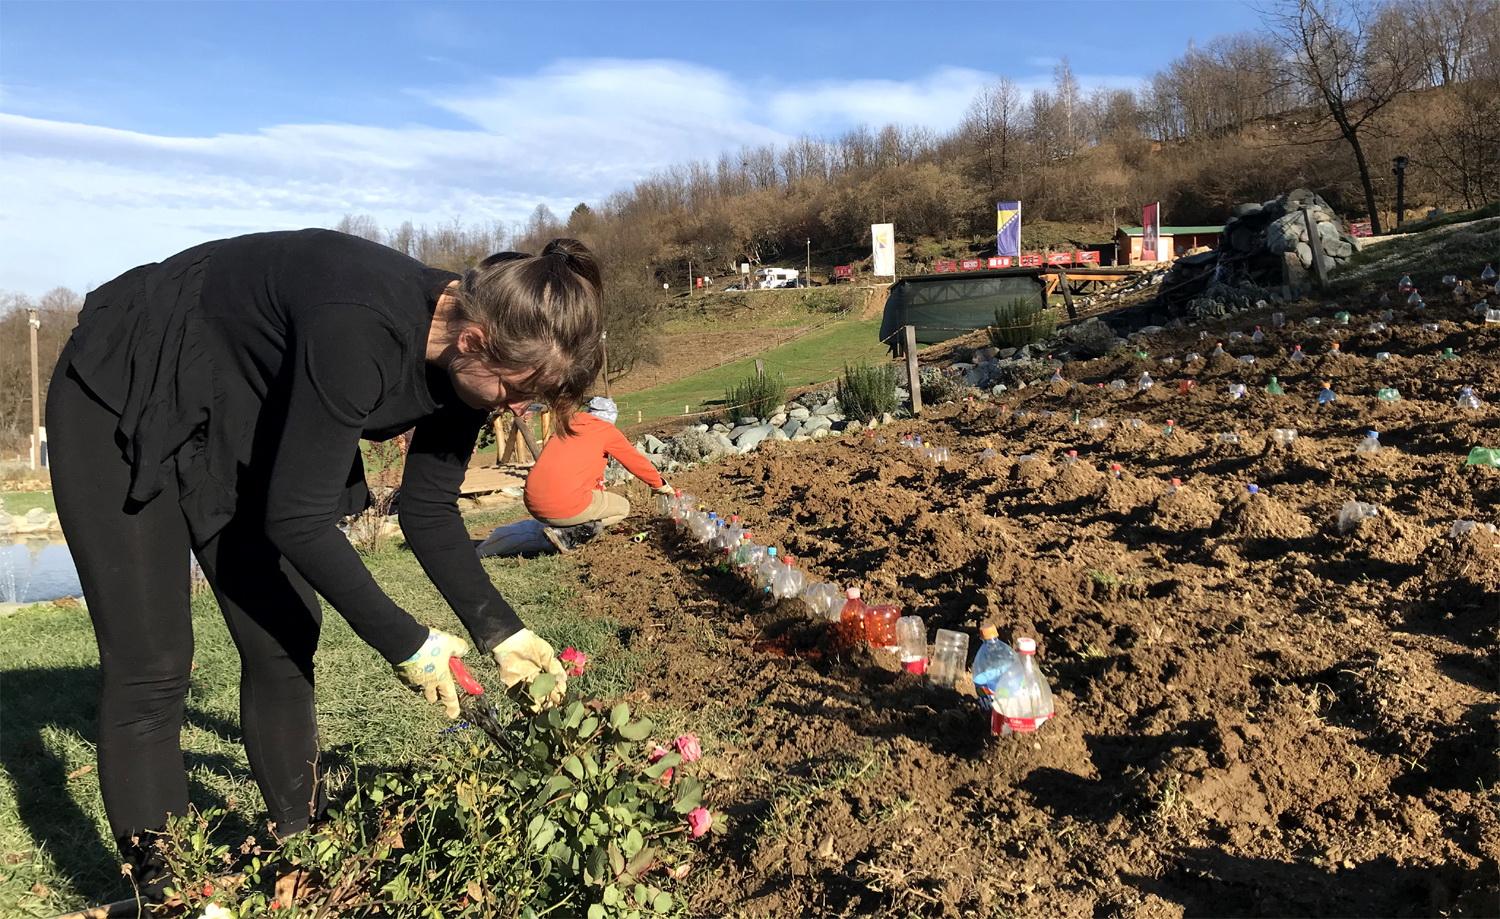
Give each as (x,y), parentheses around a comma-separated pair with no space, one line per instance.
(250,368)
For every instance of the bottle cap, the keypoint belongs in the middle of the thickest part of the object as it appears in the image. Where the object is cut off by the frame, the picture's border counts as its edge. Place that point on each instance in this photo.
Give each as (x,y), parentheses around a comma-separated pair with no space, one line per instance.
(852,593)
(988,631)
(1026,645)
(771,550)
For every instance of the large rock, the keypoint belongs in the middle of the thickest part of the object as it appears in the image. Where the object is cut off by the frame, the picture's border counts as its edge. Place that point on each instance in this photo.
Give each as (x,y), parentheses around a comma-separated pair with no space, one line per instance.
(750,438)
(1304,255)
(801,413)
(693,446)
(816,423)
(777,420)
(653,444)
(779,434)
(792,426)
(831,407)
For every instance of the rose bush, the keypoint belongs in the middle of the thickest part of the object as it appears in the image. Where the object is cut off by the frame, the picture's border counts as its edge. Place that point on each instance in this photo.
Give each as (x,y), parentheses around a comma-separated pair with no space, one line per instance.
(570,811)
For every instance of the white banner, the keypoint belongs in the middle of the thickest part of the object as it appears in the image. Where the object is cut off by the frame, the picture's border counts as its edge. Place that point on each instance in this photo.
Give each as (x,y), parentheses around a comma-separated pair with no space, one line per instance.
(883,236)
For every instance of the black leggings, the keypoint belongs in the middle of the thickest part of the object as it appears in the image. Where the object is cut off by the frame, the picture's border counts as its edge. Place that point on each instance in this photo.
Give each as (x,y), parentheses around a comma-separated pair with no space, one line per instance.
(133,564)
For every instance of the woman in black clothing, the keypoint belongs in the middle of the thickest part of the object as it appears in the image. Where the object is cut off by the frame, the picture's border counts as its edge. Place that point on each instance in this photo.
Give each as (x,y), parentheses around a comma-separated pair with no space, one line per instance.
(215,402)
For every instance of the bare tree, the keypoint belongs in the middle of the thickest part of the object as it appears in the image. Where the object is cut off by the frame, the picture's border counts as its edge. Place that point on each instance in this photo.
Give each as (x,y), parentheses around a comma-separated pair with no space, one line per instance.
(361,225)
(1351,69)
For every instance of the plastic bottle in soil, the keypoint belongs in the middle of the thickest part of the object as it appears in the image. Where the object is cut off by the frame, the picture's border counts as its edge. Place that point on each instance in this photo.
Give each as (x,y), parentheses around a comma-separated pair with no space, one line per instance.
(1096,424)
(1488,274)
(911,644)
(1023,700)
(1297,356)
(851,626)
(950,652)
(1274,387)
(765,571)
(1382,355)
(1414,300)
(1258,336)
(1070,458)
(788,580)
(1284,437)
(880,626)
(1353,512)
(1144,382)
(1278,320)
(1237,391)
(1467,399)
(990,663)
(1370,445)
(1247,359)
(1169,429)
(1404,285)
(1431,327)
(1229,437)
(1327,395)
(1174,486)
(1491,316)
(1341,317)
(1057,376)
(1449,354)
(1218,351)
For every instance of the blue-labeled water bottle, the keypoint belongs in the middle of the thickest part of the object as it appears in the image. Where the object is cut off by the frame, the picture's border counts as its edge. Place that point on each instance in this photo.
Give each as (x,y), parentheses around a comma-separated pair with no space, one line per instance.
(993,659)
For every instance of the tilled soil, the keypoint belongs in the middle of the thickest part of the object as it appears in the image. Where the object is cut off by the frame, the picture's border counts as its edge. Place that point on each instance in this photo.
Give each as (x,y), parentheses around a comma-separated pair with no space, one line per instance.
(1257,714)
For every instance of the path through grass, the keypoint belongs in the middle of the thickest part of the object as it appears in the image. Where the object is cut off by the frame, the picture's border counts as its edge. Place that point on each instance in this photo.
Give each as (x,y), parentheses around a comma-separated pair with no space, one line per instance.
(55,854)
(814,358)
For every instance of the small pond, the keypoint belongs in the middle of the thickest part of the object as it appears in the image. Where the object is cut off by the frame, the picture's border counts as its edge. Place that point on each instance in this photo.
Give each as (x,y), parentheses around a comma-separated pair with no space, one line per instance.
(37,570)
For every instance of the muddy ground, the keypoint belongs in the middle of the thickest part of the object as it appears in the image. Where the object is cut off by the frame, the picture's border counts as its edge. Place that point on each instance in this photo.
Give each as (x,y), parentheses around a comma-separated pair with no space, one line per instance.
(1257,713)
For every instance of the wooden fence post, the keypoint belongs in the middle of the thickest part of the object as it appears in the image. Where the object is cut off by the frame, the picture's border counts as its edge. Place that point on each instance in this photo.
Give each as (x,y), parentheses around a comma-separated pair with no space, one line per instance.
(760,369)
(913,375)
(1320,268)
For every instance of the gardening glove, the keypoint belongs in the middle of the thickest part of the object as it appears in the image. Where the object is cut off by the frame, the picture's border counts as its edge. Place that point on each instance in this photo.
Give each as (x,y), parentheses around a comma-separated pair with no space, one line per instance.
(524,656)
(665,489)
(427,670)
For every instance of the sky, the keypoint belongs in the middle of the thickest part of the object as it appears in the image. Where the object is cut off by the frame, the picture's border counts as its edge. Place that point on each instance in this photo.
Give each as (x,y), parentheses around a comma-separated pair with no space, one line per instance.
(130,131)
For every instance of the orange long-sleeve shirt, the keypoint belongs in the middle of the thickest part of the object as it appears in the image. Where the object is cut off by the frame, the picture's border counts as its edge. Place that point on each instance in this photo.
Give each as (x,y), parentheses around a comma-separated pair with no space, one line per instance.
(571,467)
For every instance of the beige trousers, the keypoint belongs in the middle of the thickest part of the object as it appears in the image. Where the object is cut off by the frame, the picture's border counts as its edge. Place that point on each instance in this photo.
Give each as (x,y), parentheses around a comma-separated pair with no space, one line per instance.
(605,507)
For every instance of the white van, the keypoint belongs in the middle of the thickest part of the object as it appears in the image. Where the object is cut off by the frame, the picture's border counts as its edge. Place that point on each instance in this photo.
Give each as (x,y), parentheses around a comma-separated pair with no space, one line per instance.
(770,278)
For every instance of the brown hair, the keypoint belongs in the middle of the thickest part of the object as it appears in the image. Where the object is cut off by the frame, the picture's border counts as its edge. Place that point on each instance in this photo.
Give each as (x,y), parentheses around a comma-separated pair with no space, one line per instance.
(542,315)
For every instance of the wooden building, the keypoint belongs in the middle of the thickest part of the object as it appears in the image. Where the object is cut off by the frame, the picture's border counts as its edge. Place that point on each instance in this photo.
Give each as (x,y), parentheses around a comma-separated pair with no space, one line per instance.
(1175,242)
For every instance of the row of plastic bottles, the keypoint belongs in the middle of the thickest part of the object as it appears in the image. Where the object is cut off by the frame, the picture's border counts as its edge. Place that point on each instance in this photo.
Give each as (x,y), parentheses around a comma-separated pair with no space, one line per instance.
(1012,690)
(935,454)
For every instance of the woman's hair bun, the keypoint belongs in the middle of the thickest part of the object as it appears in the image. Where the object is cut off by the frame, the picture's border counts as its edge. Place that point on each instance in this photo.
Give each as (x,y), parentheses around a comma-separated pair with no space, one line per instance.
(577,257)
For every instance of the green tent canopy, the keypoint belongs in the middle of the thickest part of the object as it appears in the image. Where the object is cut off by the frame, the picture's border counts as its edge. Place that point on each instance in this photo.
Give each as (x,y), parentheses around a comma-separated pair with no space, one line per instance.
(944,306)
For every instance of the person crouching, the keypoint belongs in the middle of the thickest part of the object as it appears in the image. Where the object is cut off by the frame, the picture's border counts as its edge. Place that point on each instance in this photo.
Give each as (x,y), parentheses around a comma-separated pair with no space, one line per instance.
(565,489)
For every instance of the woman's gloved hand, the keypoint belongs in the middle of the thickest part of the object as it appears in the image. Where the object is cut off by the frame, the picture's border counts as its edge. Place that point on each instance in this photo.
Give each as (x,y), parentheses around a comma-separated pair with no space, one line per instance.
(427,670)
(524,656)
(665,489)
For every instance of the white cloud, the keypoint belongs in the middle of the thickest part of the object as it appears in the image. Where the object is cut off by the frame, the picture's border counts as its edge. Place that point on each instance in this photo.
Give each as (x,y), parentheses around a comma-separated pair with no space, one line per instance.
(82,203)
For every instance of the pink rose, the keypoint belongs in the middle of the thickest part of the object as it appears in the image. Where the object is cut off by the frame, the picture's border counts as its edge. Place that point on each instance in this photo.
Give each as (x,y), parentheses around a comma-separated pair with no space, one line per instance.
(575,659)
(688,746)
(699,820)
(657,753)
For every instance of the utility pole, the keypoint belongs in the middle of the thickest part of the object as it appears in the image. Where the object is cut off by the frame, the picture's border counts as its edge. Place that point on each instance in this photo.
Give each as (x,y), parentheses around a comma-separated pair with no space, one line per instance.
(690,278)
(36,389)
(809,262)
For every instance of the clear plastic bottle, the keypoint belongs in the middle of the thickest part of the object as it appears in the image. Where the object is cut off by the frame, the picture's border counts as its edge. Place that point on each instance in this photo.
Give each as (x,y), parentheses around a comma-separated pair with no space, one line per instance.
(1353,512)
(1388,394)
(1370,445)
(1174,486)
(1327,395)
(1382,355)
(950,655)
(1247,359)
(1116,470)
(1057,376)
(765,571)
(1297,356)
(1284,437)
(1118,385)
(1414,301)
(1070,458)
(1274,387)
(1257,336)
(1341,317)
(1170,429)
(990,663)
(1449,354)
(1278,320)
(1229,437)
(1405,285)
(1334,350)
(1488,274)
(788,580)
(1096,424)
(1023,700)
(1467,399)
(1237,391)
(1218,351)
(911,642)
(1144,382)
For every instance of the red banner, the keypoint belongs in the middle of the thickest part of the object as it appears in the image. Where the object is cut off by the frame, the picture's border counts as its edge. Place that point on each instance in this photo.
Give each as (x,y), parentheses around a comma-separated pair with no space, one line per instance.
(1086,257)
(1150,232)
(998,261)
(1060,258)
(1030,260)
(942,265)
(843,271)
(1360,228)
(971,264)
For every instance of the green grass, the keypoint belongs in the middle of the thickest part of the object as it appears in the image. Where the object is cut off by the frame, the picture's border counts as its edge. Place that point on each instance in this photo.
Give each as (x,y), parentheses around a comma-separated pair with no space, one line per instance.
(759,309)
(19,502)
(814,358)
(55,854)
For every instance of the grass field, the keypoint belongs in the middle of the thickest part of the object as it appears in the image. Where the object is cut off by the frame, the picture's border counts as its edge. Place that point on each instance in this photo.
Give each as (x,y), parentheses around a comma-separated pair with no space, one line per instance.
(19,502)
(55,851)
(815,357)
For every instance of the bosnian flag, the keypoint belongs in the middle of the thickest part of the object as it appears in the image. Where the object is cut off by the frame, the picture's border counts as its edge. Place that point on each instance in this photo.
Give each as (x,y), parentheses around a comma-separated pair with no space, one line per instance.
(1008,228)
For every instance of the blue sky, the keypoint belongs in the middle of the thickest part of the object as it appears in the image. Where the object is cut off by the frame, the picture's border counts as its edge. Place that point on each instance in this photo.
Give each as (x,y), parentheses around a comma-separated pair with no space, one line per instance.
(129,131)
